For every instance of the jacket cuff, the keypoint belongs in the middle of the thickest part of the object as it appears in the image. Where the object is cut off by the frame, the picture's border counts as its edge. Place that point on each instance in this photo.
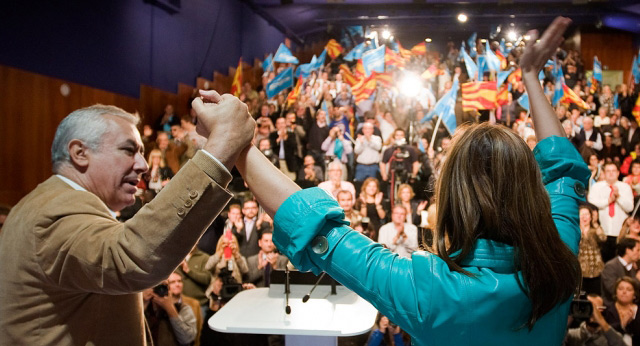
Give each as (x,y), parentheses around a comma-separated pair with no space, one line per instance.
(302,223)
(557,158)
(213,168)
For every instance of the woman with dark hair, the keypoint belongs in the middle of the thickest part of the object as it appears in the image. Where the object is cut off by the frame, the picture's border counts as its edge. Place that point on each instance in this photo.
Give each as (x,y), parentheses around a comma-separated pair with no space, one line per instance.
(622,314)
(386,333)
(589,254)
(504,268)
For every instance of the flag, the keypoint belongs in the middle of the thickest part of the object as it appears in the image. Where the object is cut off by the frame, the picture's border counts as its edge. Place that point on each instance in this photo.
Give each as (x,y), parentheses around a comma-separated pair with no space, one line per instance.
(283,54)
(419,49)
(295,92)
(503,95)
(571,97)
(267,65)
(445,109)
(471,42)
(333,48)
(636,110)
(384,79)
(558,90)
(503,61)
(515,77)
(359,69)
(364,88)
(597,69)
(492,60)
(347,76)
(635,69)
(304,70)
(479,95)
(404,52)
(431,72)
(393,59)
(321,59)
(280,82)
(472,68)
(523,100)
(482,66)
(355,53)
(373,60)
(236,85)
(502,76)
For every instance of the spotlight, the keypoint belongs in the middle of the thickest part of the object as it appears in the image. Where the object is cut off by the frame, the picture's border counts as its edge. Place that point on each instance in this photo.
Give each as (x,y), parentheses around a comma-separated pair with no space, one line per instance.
(410,85)
(428,40)
(526,37)
(512,36)
(386,34)
(462,18)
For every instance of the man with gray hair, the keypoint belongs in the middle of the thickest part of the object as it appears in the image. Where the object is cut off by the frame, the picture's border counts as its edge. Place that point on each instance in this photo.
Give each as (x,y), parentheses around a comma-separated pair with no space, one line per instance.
(71,273)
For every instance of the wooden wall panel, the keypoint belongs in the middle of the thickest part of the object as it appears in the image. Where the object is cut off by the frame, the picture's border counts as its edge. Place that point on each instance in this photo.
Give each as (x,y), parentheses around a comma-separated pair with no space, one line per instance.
(31,106)
(614,50)
(152,103)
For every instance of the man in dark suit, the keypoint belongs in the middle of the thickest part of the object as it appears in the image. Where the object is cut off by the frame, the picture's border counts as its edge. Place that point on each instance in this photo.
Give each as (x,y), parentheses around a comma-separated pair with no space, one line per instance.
(632,137)
(628,251)
(284,142)
(248,234)
(588,137)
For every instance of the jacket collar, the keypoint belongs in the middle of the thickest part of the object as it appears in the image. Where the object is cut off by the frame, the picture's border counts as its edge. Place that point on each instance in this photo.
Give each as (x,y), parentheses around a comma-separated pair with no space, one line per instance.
(492,255)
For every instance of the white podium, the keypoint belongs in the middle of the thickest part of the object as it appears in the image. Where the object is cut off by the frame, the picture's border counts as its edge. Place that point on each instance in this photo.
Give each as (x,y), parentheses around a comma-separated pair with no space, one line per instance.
(319,321)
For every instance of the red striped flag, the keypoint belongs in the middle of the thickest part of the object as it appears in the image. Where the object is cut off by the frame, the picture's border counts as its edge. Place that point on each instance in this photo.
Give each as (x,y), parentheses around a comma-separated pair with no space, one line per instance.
(236,85)
(503,61)
(571,97)
(636,110)
(479,95)
(392,58)
(431,72)
(515,76)
(384,79)
(404,52)
(419,49)
(364,88)
(333,48)
(295,92)
(347,76)
(359,69)
(503,95)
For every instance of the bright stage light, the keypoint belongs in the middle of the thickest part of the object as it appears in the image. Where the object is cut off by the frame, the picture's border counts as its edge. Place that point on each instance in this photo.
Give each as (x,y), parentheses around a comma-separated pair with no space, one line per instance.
(462,18)
(410,85)
(386,34)
(512,36)
(526,37)
(428,40)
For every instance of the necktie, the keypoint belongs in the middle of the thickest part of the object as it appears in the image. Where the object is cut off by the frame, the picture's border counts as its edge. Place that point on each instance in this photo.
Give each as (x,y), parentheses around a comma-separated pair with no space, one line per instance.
(612,206)
(267,274)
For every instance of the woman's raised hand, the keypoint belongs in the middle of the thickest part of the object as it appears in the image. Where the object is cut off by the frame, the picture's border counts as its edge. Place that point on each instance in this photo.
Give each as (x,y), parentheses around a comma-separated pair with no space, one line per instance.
(536,54)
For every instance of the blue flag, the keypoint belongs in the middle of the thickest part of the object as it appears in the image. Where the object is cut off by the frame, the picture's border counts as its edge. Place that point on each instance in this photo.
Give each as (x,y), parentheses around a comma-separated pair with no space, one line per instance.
(471,42)
(558,92)
(502,76)
(523,100)
(267,65)
(597,69)
(635,69)
(355,53)
(492,60)
(283,54)
(472,68)
(482,66)
(280,82)
(304,70)
(616,105)
(320,61)
(445,108)
(373,61)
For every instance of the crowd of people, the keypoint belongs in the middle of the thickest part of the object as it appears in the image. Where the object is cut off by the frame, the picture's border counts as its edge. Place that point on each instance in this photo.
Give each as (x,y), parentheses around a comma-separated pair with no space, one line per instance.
(376,159)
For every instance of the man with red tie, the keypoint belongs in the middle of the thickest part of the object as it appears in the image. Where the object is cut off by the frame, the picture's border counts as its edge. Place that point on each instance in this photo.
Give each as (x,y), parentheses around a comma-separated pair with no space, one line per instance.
(614,200)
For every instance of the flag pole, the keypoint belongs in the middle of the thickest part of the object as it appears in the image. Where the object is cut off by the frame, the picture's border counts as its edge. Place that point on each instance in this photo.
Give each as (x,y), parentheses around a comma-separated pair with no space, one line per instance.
(435,131)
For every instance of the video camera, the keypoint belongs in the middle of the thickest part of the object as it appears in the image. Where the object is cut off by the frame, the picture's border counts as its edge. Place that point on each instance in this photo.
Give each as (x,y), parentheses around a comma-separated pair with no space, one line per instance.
(230,287)
(581,308)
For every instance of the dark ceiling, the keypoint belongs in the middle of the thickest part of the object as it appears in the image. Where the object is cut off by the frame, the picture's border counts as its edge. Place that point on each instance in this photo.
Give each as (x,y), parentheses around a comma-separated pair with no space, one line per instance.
(413,20)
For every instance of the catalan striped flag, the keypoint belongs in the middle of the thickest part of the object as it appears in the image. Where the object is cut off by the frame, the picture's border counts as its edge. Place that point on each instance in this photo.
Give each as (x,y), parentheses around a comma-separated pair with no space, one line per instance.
(419,49)
(359,69)
(236,85)
(429,73)
(404,52)
(503,61)
(503,95)
(514,77)
(295,92)
(636,110)
(571,97)
(364,88)
(393,59)
(348,77)
(479,95)
(384,79)
(333,48)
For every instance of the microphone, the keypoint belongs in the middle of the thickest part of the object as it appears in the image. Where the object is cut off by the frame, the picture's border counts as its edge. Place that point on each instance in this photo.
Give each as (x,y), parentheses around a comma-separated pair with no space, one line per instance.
(287,309)
(307,296)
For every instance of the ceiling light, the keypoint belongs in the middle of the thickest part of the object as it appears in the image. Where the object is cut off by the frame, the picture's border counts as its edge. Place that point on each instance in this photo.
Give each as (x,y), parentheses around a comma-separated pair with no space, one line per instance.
(462,18)
(386,34)
(512,36)
(427,39)
(383,17)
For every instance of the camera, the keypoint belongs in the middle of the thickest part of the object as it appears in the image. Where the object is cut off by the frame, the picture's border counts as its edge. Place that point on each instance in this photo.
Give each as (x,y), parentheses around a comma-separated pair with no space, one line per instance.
(161,290)
(581,307)
(230,287)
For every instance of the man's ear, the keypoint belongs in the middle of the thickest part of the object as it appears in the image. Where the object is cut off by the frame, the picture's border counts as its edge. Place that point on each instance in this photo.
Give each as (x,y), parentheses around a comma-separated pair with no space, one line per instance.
(79,154)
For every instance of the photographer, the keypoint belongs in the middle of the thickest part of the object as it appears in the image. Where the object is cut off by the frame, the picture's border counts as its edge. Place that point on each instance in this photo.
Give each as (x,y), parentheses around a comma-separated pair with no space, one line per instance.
(594,332)
(227,264)
(386,333)
(401,158)
(171,321)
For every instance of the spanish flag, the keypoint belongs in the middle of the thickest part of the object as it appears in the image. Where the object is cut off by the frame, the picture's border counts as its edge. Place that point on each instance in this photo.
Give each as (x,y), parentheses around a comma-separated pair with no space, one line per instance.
(404,52)
(419,49)
(236,85)
(571,97)
(479,95)
(365,88)
(295,92)
(333,48)
(392,58)
(347,76)
(636,110)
